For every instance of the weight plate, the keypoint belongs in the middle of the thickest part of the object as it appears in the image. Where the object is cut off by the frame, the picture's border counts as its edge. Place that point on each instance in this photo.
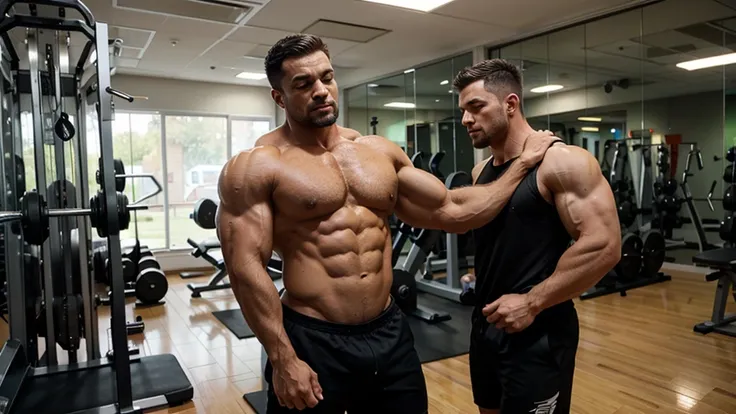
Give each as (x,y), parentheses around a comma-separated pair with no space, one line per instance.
(653,253)
(148,262)
(119,170)
(151,286)
(404,290)
(204,213)
(35,221)
(629,267)
(129,271)
(123,212)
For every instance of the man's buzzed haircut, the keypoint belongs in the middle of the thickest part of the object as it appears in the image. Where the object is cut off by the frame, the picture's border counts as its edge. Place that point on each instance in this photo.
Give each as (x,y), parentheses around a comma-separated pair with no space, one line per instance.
(499,76)
(292,46)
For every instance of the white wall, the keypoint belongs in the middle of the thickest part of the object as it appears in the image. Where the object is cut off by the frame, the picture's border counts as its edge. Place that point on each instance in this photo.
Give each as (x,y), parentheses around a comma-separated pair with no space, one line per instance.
(188,96)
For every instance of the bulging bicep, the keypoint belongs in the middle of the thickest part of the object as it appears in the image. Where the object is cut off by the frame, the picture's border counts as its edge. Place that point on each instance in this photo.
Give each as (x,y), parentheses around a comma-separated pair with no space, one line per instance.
(583,198)
(245,217)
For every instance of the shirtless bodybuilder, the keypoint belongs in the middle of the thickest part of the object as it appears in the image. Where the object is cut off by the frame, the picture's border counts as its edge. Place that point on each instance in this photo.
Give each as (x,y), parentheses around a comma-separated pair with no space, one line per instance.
(320,196)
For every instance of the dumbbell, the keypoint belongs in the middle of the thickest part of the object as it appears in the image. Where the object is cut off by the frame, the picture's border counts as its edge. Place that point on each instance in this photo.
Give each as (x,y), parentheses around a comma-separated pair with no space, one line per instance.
(151,285)
(468,297)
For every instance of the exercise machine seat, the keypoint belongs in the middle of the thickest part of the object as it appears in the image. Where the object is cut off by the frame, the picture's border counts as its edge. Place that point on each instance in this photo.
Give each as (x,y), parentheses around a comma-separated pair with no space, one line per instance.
(723,258)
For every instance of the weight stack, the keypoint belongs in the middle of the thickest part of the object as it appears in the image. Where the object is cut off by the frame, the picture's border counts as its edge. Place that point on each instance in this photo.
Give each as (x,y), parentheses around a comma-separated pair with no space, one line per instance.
(727,230)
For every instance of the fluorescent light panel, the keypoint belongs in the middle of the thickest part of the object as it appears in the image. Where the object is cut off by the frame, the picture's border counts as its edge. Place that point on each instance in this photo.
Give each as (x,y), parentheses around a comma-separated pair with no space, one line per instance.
(405,105)
(589,119)
(421,5)
(547,88)
(251,75)
(590,129)
(444,82)
(709,62)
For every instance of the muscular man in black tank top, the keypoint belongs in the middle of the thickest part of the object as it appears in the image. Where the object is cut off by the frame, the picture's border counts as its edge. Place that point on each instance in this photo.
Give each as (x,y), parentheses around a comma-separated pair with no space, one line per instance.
(555,238)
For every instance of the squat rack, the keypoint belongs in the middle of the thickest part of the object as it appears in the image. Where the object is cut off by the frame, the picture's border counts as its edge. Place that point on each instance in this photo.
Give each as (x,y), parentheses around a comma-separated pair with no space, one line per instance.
(40,385)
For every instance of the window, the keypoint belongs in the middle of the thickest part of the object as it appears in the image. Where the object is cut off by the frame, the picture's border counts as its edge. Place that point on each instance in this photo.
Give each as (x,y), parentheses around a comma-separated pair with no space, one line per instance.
(195,177)
(194,144)
(245,133)
(137,142)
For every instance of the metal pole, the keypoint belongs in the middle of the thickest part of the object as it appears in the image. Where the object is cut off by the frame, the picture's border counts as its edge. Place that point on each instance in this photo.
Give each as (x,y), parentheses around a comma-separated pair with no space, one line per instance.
(40,162)
(107,173)
(88,285)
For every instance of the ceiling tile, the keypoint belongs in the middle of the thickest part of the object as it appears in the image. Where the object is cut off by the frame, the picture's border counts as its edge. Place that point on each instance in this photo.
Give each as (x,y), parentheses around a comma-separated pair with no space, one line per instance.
(181,27)
(344,31)
(257,35)
(161,54)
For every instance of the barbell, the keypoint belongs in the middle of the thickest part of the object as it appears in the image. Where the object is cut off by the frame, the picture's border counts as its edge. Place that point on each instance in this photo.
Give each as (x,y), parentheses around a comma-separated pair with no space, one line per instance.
(34,215)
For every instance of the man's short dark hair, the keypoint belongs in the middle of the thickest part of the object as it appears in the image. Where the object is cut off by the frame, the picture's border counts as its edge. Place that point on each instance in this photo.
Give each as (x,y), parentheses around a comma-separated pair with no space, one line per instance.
(291,46)
(499,76)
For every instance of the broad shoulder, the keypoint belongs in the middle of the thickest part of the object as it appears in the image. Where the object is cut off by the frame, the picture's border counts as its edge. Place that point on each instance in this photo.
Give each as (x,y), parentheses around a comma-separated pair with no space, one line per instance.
(387,147)
(379,143)
(478,169)
(250,171)
(566,167)
(348,133)
(276,138)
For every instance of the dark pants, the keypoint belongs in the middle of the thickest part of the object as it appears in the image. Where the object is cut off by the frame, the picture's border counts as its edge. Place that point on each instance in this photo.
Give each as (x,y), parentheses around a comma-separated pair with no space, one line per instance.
(367,368)
(526,372)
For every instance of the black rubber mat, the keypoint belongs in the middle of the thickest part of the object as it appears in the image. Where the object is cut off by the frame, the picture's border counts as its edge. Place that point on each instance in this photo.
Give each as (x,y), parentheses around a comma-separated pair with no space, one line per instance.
(72,391)
(258,401)
(445,339)
(234,321)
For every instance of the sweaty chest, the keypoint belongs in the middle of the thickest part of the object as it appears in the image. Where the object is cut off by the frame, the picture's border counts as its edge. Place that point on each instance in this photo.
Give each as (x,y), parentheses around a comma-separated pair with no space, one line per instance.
(317,183)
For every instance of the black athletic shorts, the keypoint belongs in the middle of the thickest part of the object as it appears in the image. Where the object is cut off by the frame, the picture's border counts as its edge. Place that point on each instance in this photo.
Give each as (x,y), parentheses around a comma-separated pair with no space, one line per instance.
(367,368)
(526,372)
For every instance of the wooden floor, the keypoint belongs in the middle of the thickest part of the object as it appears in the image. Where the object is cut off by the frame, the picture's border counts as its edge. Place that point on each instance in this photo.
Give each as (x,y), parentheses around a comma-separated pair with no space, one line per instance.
(638,354)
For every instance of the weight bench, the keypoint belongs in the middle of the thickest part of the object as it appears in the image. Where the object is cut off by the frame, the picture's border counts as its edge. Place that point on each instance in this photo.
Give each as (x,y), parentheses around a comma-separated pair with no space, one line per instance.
(274,267)
(202,250)
(723,261)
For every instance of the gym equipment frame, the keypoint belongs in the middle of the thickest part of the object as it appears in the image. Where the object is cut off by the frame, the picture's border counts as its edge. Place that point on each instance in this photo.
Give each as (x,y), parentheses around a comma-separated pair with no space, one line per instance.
(29,384)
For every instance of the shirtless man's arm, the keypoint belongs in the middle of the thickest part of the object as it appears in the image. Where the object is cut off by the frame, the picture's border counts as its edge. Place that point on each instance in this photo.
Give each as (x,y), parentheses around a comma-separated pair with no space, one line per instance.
(245,229)
(586,207)
(425,202)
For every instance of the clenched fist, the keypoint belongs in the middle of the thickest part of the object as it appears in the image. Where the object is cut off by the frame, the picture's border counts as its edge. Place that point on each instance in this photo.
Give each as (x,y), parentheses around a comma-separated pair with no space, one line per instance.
(296,385)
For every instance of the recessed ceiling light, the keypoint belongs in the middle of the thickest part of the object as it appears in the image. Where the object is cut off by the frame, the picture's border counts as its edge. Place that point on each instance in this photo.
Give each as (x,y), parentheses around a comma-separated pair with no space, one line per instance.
(547,88)
(436,100)
(589,119)
(409,71)
(405,105)
(709,62)
(444,82)
(251,75)
(613,130)
(590,129)
(421,5)
(450,91)
(372,85)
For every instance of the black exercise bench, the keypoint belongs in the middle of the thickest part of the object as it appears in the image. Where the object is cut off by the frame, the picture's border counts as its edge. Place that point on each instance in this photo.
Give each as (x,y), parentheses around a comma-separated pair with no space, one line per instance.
(723,261)
(204,216)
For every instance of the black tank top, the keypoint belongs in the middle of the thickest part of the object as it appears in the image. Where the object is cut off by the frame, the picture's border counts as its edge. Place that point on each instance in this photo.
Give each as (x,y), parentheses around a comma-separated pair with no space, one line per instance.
(521,247)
